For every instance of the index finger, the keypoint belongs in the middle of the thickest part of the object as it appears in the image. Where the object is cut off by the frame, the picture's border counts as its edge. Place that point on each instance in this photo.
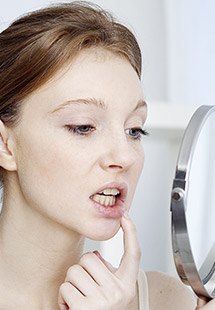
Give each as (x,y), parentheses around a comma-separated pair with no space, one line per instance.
(129,265)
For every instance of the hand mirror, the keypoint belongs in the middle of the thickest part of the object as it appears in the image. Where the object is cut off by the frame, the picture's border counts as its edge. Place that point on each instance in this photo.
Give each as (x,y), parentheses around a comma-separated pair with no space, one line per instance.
(193,205)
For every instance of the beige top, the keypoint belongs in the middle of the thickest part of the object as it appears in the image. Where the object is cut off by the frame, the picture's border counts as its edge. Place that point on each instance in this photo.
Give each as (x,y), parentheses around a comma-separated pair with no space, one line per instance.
(143,291)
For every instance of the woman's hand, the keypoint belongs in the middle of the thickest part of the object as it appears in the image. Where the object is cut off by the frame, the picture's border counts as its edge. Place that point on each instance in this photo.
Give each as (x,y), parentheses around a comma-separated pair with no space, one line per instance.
(92,284)
(204,305)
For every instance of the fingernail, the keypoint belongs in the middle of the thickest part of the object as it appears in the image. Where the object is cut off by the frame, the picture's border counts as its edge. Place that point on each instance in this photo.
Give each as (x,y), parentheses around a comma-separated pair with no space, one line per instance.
(97,253)
(99,256)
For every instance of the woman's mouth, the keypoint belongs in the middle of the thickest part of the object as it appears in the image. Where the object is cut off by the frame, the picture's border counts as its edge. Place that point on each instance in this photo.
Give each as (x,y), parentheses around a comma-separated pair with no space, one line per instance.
(107,197)
(109,200)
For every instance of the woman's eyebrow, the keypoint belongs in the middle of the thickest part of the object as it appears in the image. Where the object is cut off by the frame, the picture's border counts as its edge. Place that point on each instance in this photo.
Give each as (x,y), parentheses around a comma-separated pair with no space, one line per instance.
(92,101)
(88,101)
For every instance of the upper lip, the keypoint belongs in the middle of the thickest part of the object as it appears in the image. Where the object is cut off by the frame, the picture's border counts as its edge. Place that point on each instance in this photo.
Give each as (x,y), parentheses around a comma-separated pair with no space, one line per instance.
(121,186)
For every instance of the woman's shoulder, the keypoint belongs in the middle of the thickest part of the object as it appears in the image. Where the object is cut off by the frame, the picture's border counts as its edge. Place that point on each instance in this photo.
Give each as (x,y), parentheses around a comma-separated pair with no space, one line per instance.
(167,292)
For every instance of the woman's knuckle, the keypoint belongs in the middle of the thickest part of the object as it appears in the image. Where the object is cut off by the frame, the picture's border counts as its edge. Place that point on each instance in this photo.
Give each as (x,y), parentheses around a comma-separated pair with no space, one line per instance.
(119,298)
(138,253)
(117,294)
(101,304)
(115,297)
(73,270)
(63,287)
(85,258)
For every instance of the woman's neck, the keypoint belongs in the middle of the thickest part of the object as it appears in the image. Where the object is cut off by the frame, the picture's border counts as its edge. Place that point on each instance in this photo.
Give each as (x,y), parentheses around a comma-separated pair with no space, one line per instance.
(35,256)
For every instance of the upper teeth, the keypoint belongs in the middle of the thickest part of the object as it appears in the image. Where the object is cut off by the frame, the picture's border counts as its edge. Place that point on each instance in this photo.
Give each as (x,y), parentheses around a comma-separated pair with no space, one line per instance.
(110,191)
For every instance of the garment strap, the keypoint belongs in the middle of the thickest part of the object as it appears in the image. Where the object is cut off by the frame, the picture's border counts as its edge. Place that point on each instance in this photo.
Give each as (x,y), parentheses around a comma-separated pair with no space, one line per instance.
(143,291)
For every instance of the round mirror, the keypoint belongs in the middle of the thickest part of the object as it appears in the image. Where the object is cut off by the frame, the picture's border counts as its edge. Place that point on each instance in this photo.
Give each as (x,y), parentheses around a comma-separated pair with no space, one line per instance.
(193,205)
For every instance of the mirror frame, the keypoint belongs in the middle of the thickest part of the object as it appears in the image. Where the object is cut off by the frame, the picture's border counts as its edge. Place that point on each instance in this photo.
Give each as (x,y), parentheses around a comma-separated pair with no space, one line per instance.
(202,281)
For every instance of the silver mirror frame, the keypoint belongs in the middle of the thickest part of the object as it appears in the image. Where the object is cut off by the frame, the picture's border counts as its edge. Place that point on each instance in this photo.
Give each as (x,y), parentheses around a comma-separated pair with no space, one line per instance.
(202,281)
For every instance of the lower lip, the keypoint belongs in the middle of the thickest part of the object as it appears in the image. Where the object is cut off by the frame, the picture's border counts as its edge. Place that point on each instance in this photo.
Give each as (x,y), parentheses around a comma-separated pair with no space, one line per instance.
(115,211)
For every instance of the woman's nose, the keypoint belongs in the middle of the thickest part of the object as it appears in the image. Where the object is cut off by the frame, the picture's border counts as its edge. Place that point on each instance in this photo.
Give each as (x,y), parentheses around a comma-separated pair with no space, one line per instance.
(118,155)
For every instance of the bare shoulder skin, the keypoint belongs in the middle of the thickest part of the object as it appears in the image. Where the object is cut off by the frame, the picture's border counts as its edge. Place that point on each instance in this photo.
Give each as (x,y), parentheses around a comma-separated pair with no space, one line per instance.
(166,292)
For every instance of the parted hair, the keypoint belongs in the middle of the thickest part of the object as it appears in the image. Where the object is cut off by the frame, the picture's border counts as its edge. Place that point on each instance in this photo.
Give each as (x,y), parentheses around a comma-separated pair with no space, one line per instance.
(35,46)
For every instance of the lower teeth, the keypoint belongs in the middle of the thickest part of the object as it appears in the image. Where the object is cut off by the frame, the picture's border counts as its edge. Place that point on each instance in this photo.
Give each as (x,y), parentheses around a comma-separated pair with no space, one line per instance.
(105,200)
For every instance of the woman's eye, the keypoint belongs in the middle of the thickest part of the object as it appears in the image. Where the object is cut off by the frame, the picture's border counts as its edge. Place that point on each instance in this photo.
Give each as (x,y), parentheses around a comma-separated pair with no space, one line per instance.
(137,133)
(81,130)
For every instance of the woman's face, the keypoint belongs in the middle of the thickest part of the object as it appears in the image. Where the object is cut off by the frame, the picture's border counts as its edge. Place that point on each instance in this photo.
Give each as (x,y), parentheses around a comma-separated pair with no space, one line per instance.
(78,146)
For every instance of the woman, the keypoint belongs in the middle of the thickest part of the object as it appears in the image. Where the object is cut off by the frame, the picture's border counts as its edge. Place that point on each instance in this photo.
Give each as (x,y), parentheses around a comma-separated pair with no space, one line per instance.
(72,113)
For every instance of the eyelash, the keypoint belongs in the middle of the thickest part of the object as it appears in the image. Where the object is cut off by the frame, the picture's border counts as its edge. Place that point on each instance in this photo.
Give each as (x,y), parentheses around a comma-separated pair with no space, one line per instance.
(75,129)
(87,129)
(139,131)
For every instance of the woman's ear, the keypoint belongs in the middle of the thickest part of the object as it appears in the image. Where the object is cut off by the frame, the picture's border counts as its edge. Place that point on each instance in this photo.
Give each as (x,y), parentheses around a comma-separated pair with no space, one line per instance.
(7,159)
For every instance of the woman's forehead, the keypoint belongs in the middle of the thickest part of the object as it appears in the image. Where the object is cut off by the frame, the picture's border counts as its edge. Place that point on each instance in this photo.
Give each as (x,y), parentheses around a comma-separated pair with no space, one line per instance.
(88,76)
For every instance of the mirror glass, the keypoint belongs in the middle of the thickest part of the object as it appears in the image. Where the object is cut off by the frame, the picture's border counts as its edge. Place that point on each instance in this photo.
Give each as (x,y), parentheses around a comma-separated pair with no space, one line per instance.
(193,204)
(200,204)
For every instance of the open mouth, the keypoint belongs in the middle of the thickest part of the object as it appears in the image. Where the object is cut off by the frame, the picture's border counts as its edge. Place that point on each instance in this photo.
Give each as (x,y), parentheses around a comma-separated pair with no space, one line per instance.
(110,195)
(110,199)
(107,197)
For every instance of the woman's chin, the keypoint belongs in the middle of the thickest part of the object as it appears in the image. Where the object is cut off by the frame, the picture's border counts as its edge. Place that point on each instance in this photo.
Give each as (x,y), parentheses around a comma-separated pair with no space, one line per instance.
(103,233)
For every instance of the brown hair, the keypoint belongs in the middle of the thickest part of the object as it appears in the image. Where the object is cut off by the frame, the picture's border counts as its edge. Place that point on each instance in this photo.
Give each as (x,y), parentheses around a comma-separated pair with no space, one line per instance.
(38,44)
